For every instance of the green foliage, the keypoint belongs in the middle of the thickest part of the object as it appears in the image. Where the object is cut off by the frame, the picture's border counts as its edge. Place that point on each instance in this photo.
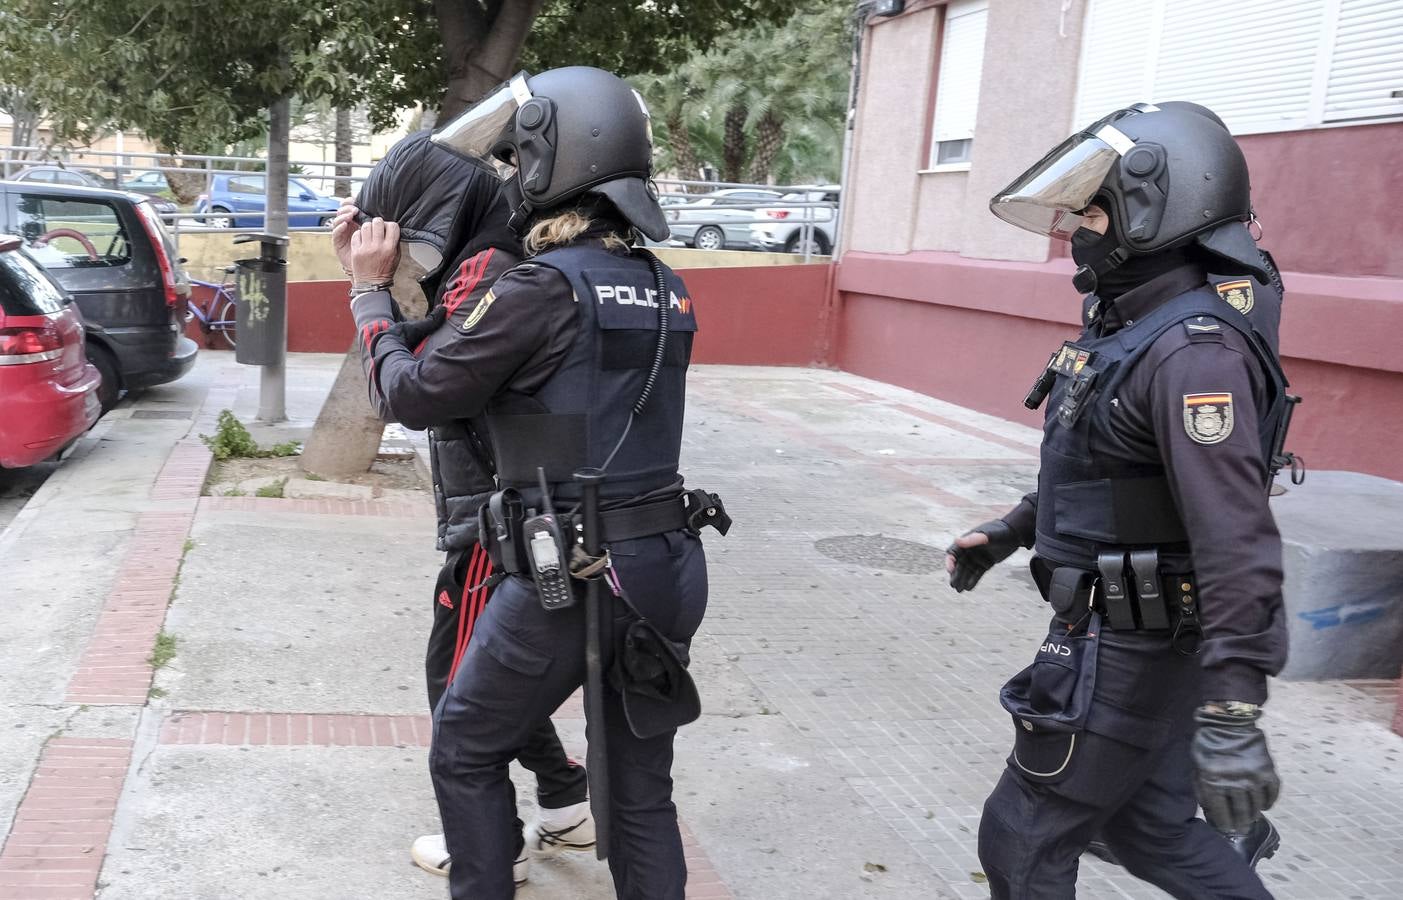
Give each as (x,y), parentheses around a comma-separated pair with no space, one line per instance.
(231,440)
(163,652)
(272,490)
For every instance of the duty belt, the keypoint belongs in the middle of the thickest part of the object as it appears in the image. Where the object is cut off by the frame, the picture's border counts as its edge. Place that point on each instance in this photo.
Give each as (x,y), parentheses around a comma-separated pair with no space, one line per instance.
(1131,594)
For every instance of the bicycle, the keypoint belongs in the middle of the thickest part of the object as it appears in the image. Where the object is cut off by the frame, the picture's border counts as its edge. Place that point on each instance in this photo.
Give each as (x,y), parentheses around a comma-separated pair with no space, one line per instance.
(218,313)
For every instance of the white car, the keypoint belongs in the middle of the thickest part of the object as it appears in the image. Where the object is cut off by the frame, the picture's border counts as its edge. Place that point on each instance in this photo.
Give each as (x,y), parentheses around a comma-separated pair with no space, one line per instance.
(700,224)
(787,232)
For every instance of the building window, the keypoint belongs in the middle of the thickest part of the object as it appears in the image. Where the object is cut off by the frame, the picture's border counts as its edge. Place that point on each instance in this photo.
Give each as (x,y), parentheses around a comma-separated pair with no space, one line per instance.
(1262,65)
(957,84)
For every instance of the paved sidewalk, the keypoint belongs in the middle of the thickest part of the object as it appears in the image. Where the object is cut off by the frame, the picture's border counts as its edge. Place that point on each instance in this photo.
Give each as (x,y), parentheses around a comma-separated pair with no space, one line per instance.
(851,729)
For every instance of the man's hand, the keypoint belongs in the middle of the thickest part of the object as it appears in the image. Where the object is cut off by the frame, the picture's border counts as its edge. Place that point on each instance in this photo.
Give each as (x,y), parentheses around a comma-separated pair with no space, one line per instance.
(415,331)
(374,252)
(975,552)
(342,227)
(1236,777)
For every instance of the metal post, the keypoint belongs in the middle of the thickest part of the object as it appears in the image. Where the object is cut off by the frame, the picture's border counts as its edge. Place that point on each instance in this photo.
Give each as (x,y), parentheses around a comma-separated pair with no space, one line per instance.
(272,381)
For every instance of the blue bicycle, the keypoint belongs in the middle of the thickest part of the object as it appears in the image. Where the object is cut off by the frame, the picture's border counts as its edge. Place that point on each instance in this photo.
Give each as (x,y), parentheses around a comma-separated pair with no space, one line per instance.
(216,315)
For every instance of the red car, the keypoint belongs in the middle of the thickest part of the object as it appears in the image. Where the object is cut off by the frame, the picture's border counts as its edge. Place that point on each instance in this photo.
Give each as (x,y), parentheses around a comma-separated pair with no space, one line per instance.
(48,390)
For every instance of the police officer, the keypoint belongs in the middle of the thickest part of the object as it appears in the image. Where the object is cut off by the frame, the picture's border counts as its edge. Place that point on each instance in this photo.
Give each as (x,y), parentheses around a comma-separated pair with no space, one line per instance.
(439,201)
(576,359)
(1152,537)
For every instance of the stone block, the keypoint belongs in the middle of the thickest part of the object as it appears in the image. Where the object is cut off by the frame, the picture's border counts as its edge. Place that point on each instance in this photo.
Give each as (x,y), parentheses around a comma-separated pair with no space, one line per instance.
(305,489)
(1342,537)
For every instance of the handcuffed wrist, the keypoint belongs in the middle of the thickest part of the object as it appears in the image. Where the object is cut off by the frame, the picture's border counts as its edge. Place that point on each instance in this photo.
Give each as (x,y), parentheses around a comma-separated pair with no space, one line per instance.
(367,287)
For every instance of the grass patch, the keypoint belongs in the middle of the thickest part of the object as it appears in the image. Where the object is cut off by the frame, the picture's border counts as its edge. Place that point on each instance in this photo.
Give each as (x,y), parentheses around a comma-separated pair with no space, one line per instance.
(189,545)
(231,440)
(313,476)
(235,492)
(155,693)
(163,652)
(272,490)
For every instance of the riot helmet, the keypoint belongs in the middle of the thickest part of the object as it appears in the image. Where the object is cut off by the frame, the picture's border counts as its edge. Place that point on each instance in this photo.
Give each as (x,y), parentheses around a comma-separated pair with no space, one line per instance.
(1168,176)
(561,134)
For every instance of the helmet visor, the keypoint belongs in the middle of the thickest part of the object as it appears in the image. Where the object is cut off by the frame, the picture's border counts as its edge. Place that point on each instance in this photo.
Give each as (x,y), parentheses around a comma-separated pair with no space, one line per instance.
(478,130)
(1050,197)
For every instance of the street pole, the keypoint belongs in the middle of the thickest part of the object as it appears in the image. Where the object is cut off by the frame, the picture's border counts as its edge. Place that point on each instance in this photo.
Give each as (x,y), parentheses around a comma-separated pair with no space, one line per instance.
(272,382)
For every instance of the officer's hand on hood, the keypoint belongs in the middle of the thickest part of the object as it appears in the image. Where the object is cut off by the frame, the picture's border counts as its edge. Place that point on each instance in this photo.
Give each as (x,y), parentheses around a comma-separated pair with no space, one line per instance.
(375,252)
(342,227)
(976,552)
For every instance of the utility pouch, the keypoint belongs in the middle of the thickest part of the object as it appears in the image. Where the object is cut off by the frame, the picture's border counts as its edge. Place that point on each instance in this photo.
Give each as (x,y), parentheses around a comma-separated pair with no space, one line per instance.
(1069,593)
(705,509)
(500,526)
(1120,615)
(1050,702)
(1154,615)
(545,542)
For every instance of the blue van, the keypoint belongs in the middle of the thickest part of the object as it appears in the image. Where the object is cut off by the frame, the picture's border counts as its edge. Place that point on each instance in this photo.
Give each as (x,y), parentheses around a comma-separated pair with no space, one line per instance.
(243,192)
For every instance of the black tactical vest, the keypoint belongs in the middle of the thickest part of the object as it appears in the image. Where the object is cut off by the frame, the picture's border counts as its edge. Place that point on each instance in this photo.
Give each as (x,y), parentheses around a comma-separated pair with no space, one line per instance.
(1089,502)
(580,414)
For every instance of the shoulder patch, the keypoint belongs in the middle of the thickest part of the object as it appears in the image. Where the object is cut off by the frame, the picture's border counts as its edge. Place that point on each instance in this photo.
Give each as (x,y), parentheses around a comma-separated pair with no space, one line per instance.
(1208,418)
(1237,294)
(479,311)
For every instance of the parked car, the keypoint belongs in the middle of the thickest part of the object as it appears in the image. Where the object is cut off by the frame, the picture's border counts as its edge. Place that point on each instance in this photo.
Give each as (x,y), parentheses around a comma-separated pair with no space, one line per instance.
(48,390)
(787,232)
(153,185)
(699,224)
(112,253)
(58,175)
(247,193)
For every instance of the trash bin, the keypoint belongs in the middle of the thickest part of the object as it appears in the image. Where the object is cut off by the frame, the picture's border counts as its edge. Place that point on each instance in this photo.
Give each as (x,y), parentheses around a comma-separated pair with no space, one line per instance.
(261,317)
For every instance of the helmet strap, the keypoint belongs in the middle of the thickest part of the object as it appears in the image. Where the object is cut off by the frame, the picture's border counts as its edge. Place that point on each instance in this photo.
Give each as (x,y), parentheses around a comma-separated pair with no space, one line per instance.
(1086,278)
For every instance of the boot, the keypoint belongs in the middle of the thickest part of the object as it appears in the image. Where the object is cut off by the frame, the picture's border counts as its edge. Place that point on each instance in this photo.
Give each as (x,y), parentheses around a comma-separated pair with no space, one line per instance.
(1260,842)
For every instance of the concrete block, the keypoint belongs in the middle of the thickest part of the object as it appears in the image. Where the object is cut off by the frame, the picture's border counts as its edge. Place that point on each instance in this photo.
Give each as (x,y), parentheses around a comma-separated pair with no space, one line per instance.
(1342,541)
(305,489)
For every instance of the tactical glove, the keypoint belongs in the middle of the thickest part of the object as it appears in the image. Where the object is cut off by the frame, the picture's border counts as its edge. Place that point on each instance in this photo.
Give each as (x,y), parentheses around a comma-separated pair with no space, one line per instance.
(972,562)
(1236,777)
(414,332)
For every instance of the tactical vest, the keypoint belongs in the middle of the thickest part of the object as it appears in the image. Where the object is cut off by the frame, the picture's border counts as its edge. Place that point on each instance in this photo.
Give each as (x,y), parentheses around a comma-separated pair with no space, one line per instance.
(1089,502)
(579,416)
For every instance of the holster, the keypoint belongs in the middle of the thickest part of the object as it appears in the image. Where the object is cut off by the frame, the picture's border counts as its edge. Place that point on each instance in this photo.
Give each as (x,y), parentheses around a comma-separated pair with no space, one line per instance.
(499,526)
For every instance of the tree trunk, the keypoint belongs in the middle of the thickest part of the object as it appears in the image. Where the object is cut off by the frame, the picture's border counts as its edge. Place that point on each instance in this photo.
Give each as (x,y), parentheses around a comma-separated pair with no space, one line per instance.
(733,145)
(347,435)
(680,140)
(187,179)
(344,150)
(769,138)
(480,46)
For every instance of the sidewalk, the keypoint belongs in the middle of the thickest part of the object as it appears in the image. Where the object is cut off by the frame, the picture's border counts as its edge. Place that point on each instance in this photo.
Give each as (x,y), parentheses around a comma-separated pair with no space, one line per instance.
(851,728)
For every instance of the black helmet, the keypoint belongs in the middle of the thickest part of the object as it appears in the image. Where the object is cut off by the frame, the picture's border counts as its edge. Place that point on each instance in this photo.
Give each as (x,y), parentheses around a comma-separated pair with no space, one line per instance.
(1167,175)
(563,133)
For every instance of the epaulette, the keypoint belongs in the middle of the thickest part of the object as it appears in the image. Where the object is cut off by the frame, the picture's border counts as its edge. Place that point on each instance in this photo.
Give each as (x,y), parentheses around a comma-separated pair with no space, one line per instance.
(1204,328)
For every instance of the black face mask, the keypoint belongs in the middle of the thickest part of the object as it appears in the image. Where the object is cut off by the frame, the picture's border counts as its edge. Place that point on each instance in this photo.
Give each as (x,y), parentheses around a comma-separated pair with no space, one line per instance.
(1090,248)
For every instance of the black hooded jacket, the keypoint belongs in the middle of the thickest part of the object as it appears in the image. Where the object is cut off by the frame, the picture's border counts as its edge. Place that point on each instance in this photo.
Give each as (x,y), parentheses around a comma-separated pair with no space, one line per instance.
(449,202)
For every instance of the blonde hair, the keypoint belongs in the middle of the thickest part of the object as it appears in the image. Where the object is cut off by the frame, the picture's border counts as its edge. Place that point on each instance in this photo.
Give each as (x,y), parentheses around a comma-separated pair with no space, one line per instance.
(563,228)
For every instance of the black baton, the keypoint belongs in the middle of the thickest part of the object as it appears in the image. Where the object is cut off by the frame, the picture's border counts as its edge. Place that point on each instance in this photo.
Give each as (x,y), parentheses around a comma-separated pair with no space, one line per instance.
(597,753)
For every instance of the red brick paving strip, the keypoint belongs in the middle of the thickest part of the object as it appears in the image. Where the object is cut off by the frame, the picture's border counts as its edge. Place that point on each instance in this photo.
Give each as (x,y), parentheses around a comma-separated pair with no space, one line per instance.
(183,475)
(114,669)
(703,881)
(397,509)
(58,840)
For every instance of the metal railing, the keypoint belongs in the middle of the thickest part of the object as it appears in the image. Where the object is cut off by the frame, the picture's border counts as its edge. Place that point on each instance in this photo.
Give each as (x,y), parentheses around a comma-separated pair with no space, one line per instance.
(816,218)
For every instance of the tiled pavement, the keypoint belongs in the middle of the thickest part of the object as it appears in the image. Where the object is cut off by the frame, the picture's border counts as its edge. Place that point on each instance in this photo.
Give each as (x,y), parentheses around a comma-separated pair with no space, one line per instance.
(832,643)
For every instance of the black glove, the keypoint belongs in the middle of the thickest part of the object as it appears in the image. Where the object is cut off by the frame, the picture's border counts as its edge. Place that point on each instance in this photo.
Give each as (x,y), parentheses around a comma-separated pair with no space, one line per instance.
(1236,777)
(971,563)
(413,332)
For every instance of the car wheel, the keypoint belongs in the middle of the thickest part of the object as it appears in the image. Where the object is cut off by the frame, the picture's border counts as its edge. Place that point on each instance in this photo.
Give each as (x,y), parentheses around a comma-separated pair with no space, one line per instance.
(709,237)
(816,246)
(219,218)
(110,389)
(324,222)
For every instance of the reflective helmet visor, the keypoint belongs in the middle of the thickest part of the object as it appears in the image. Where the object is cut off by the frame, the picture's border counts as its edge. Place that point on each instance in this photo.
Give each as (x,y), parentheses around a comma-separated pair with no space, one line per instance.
(476,132)
(1050,197)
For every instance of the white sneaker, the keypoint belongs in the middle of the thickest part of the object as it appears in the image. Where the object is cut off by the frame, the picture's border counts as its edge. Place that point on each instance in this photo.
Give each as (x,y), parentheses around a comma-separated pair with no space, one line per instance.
(430,853)
(555,830)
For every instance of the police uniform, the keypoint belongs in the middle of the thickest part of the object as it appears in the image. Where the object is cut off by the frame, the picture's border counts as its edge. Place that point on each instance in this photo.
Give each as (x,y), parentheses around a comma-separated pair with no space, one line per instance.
(418,387)
(563,342)
(1153,440)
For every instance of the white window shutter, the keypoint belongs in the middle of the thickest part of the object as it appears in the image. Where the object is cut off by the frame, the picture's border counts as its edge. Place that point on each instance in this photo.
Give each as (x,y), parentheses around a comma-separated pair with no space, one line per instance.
(1117,58)
(961,63)
(1366,64)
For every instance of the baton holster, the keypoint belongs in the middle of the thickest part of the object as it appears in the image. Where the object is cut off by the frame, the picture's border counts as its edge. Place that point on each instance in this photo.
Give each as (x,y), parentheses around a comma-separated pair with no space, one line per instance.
(500,522)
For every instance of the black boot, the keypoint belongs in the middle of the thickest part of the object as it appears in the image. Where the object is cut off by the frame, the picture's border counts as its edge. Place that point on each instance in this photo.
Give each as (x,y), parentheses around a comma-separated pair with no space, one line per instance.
(1260,842)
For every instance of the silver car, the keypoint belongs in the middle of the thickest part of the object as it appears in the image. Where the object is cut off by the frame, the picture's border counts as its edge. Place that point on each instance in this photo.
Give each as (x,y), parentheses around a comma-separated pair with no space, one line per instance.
(701,224)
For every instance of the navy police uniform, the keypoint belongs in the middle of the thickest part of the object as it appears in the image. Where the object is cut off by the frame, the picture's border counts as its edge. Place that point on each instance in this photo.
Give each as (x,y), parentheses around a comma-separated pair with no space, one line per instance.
(559,350)
(1154,544)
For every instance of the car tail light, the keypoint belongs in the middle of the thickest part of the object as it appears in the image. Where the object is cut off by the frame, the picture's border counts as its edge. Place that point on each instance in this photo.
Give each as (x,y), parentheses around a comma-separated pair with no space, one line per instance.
(777,213)
(29,344)
(150,220)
